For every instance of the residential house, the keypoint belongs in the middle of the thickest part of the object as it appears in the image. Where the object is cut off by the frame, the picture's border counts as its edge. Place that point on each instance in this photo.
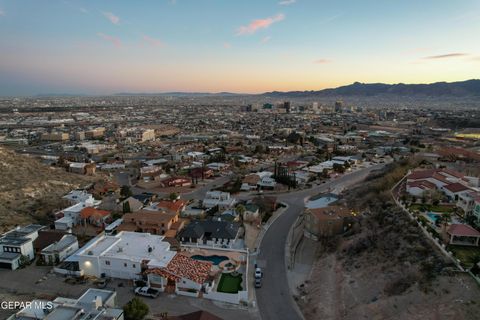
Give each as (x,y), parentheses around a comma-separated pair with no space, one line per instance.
(60,250)
(96,217)
(69,217)
(466,201)
(125,255)
(476,210)
(82,168)
(76,196)
(211,233)
(251,213)
(182,274)
(326,222)
(16,244)
(217,198)
(453,190)
(463,235)
(154,222)
(150,173)
(250,182)
(130,204)
(45,238)
(93,304)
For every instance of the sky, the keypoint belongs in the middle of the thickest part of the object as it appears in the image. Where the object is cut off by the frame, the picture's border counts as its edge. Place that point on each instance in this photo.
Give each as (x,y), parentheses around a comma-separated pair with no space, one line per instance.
(247,46)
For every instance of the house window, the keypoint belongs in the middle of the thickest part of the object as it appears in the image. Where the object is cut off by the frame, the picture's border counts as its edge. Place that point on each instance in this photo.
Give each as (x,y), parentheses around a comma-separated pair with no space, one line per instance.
(125,265)
(133,265)
(107,263)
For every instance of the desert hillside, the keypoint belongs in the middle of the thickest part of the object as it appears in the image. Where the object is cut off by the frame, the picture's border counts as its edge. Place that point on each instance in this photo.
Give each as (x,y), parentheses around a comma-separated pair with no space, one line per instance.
(385,268)
(30,190)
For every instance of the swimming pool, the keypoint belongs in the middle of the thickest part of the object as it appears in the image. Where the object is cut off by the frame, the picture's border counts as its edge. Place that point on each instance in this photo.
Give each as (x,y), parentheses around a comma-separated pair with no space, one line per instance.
(433,216)
(214,259)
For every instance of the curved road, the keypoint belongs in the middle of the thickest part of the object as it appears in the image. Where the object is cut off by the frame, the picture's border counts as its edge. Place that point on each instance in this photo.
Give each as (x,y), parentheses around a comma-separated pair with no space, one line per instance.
(274,299)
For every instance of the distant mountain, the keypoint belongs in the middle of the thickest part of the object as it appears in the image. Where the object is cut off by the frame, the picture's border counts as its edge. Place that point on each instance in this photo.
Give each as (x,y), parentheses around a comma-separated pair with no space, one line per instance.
(454,89)
(180,94)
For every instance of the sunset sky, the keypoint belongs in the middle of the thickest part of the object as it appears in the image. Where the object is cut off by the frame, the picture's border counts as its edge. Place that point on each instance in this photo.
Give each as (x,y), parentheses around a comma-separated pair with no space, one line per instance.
(105,47)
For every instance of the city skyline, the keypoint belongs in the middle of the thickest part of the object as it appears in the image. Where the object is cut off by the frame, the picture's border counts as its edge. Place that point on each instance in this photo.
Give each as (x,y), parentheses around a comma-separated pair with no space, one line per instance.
(79,47)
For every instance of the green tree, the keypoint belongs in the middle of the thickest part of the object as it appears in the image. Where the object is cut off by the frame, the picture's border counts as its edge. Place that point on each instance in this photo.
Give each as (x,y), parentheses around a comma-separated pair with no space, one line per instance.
(135,309)
(240,210)
(173,196)
(126,207)
(125,192)
(338,168)
(24,261)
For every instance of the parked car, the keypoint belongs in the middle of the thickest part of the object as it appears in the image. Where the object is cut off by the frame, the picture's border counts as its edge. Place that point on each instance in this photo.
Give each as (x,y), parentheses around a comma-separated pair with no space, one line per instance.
(258,273)
(147,292)
(258,283)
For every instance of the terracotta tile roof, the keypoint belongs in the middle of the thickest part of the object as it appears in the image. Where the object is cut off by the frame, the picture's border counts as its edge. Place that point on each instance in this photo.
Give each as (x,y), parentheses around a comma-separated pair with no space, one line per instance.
(92,212)
(149,217)
(456,187)
(423,184)
(440,177)
(453,173)
(421,174)
(251,179)
(174,206)
(463,230)
(184,267)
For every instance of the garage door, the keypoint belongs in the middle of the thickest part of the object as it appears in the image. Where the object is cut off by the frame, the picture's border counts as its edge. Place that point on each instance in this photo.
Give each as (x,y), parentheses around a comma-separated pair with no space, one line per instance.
(5,265)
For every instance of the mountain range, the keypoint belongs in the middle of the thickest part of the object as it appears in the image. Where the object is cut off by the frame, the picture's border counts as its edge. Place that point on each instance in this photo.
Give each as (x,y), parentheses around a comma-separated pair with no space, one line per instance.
(438,89)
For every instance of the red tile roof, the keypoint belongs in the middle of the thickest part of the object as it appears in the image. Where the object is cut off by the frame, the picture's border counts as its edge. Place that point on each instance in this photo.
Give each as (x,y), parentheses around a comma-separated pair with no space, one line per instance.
(421,174)
(92,212)
(456,187)
(423,184)
(182,266)
(174,206)
(463,230)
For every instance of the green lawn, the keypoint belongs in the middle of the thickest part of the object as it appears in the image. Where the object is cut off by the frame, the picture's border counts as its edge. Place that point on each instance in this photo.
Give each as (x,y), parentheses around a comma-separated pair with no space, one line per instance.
(466,254)
(229,283)
(431,207)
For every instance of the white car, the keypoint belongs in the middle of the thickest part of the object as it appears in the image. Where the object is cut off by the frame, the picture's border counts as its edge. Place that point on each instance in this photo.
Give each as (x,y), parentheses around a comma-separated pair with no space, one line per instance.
(258,273)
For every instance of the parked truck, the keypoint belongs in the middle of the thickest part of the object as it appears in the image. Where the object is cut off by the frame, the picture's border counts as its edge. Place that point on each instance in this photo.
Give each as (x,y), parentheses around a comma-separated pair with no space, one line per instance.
(147,292)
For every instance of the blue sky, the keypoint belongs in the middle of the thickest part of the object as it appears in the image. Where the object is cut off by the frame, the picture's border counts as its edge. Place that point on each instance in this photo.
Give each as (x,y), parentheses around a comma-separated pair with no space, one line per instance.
(102,47)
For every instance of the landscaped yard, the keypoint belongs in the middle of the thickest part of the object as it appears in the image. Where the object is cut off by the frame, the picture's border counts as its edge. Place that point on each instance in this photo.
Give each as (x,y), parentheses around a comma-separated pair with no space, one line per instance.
(229,283)
(431,207)
(466,254)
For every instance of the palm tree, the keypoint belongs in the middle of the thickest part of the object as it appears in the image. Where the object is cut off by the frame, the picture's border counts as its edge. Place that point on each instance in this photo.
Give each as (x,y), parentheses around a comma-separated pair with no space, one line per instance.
(444,220)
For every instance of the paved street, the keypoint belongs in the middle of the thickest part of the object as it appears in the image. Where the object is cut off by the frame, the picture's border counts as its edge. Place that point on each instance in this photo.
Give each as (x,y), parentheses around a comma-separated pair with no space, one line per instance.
(274,299)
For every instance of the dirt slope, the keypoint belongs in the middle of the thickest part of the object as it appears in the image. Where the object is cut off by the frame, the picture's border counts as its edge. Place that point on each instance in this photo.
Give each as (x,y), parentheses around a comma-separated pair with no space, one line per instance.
(30,190)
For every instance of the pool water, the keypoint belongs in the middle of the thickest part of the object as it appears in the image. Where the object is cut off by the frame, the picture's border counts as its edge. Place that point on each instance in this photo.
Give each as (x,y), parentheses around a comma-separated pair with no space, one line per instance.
(433,217)
(214,259)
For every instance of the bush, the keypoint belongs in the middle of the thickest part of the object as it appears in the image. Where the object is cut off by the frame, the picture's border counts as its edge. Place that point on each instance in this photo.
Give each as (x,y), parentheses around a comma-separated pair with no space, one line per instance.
(135,309)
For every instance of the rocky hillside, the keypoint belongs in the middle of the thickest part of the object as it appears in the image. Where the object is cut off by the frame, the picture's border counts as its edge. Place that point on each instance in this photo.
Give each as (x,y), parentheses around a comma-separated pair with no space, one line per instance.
(385,268)
(30,190)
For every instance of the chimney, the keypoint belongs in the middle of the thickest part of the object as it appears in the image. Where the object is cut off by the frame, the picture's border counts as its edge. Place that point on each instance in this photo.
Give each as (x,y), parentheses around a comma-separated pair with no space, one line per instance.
(97,303)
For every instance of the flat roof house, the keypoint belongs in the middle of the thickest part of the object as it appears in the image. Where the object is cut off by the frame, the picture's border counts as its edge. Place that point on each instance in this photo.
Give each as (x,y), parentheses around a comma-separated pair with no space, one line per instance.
(93,304)
(17,243)
(124,255)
